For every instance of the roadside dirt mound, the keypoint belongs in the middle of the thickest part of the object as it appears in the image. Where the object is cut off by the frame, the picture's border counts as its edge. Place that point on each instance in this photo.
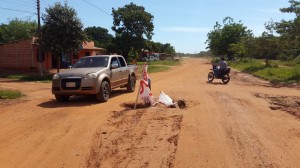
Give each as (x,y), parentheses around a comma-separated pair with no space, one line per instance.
(248,79)
(290,104)
(137,138)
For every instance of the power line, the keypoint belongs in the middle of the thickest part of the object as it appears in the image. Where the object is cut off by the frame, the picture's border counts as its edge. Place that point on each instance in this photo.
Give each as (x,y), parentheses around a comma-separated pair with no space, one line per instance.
(97,7)
(15,10)
(24,7)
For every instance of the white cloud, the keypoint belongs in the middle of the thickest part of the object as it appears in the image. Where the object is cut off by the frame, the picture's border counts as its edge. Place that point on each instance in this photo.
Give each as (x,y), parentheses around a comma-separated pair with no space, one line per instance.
(186,29)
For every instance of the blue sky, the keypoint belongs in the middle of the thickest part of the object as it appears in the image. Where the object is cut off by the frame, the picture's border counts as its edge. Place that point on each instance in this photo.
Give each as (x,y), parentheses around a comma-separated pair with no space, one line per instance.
(182,23)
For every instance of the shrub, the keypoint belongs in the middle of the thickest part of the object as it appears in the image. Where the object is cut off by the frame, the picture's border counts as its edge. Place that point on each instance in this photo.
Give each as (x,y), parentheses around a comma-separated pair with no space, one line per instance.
(297,60)
(296,73)
(10,94)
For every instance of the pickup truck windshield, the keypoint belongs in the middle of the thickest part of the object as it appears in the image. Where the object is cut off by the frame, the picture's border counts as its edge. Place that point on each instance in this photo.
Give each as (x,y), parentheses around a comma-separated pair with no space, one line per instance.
(89,62)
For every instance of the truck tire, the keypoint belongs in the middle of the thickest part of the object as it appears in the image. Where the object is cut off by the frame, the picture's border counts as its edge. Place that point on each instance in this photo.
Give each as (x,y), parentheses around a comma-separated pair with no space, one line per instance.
(104,92)
(131,83)
(61,98)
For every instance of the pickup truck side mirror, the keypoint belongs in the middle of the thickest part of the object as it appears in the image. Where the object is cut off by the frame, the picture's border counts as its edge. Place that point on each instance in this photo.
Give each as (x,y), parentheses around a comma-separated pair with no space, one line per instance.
(114,65)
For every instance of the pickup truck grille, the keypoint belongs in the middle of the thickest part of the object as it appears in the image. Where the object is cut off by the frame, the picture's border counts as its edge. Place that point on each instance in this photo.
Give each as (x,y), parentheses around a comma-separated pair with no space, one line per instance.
(71,84)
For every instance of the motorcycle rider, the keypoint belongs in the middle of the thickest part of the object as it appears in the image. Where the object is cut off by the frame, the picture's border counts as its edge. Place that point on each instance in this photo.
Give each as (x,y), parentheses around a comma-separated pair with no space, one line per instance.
(221,66)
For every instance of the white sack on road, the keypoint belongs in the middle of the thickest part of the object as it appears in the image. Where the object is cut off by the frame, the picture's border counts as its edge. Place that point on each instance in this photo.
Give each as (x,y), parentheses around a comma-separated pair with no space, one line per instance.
(165,99)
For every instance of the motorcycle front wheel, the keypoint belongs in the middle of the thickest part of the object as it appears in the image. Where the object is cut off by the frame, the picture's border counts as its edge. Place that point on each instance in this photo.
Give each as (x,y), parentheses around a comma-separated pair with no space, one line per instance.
(225,78)
(210,77)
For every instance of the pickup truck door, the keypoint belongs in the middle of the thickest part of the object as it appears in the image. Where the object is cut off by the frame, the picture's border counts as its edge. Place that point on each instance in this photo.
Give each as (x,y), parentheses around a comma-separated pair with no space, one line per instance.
(116,73)
(124,69)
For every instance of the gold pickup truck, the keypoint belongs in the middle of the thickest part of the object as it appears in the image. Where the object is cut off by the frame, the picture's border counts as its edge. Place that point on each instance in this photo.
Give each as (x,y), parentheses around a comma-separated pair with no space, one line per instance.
(94,75)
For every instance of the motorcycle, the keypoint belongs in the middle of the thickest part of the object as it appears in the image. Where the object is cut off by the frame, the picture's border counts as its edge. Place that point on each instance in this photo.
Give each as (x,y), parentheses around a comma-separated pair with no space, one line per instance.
(219,74)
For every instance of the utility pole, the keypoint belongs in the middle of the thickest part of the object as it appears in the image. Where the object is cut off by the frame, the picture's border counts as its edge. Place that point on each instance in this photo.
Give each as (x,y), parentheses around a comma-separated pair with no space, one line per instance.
(40,56)
(39,18)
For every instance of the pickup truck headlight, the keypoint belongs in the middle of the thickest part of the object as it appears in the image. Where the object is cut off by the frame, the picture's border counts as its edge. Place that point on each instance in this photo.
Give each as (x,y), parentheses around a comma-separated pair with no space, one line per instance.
(56,76)
(91,75)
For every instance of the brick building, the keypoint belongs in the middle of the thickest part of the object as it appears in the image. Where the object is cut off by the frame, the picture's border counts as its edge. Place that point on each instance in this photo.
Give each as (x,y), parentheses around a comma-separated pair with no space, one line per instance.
(23,55)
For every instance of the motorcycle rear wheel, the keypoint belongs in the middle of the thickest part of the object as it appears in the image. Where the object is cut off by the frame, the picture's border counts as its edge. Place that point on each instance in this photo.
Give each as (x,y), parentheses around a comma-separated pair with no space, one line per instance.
(225,78)
(210,76)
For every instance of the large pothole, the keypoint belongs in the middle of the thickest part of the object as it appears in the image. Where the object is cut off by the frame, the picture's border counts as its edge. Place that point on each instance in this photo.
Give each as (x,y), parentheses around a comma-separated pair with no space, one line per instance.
(182,104)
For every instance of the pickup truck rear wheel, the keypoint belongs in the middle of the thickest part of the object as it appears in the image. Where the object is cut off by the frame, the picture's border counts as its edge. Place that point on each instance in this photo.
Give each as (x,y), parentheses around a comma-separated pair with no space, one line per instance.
(131,84)
(61,98)
(104,92)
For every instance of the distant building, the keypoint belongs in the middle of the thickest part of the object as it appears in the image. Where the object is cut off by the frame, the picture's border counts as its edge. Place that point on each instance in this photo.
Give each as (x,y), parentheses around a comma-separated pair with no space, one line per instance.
(23,55)
(164,56)
(145,55)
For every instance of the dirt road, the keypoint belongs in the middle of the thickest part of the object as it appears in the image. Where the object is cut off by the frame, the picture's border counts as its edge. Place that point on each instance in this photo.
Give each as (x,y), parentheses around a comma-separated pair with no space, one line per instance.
(247,123)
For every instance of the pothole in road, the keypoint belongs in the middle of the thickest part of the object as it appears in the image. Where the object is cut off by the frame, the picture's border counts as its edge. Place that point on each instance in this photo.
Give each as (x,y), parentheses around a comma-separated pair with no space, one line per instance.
(131,105)
(182,104)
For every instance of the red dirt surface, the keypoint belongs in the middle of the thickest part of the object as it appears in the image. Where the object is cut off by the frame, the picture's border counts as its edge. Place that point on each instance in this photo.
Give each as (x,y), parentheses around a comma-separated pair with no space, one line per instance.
(231,125)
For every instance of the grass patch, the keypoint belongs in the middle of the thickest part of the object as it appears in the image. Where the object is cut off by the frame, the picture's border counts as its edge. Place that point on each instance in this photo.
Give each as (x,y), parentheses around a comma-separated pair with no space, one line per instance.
(16,76)
(248,66)
(153,68)
(289,63)
(296,73)
(162,62)
(283,63)
(10,94)
(159,66)
(23,77)
(276,73)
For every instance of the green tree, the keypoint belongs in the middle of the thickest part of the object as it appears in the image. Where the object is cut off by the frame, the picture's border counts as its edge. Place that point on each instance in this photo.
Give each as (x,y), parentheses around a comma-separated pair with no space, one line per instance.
(159,47)
(99,35)
(151,46)
(168,49)
(222,36)
(267,45)
(154,46)
(238,49)
(132,25)
(290,30)
(204,53)
(62,32)
(132,55)
(17,29)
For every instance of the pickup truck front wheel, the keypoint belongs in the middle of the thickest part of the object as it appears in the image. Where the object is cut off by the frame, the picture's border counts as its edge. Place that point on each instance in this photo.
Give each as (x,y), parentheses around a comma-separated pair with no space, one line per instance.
(131,84)
(104,92)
